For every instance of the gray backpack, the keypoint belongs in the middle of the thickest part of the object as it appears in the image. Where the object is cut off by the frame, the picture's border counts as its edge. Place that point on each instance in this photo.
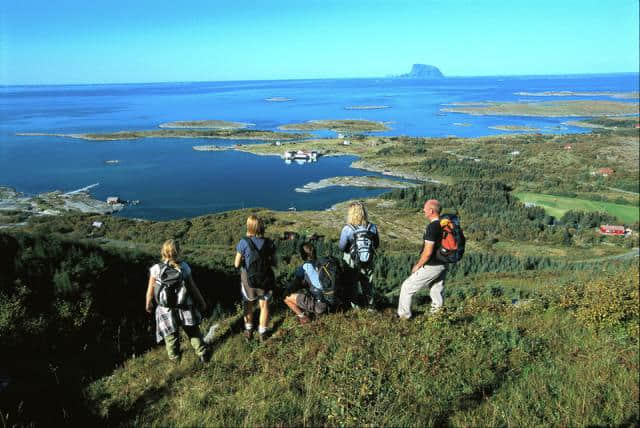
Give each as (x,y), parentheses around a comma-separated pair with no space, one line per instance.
(362,248)
(170,290)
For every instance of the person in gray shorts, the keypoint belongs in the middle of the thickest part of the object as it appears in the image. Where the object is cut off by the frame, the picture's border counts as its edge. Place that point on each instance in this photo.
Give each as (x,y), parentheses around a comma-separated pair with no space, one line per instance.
(309,300)
(428,271)
(253,248)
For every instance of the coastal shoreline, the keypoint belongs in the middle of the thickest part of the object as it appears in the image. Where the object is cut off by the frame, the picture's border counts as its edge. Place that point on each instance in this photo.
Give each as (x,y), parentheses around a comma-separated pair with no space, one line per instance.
(54,203)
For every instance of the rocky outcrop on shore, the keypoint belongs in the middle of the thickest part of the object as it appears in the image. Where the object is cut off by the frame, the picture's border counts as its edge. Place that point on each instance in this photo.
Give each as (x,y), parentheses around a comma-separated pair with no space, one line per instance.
(53,203)
(354,181)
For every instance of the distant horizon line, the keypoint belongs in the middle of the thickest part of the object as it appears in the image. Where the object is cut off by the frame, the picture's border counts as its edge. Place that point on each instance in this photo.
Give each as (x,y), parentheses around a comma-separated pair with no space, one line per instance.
(319,78)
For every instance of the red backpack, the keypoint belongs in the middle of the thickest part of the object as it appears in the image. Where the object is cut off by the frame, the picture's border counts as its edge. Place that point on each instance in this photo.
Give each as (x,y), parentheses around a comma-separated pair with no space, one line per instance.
(451,248)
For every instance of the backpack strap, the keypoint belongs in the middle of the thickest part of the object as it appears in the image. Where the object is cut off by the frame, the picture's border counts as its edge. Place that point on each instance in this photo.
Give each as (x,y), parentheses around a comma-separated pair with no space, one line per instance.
(252,245)
(163,267)
(254,249)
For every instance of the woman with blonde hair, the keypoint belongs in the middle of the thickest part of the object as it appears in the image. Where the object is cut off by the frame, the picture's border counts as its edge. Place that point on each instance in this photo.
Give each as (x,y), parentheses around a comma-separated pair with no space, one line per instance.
(358,242)
(173,289)
(255,257)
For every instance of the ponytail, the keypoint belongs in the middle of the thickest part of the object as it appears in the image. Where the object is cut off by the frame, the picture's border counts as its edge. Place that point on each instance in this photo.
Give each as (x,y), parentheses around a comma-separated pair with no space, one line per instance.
(171,253)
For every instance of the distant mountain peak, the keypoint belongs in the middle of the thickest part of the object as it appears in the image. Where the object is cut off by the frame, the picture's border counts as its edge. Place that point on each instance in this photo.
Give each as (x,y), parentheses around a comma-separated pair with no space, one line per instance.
(423,71)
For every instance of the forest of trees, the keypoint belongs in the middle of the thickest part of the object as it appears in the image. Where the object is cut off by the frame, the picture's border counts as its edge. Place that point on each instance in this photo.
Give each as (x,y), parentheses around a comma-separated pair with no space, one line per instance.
(490,212)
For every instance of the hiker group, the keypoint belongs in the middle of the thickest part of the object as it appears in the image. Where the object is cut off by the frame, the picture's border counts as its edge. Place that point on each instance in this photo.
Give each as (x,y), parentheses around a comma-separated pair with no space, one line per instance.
(319,285)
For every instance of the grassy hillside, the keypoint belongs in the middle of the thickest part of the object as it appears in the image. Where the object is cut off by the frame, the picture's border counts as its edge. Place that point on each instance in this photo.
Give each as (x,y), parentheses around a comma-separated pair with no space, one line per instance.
(77,345)
(557,206)
(567,356)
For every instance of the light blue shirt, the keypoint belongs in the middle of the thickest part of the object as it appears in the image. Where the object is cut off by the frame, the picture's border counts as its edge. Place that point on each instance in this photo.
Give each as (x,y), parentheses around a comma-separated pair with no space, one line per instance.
(308,271)
(346,237)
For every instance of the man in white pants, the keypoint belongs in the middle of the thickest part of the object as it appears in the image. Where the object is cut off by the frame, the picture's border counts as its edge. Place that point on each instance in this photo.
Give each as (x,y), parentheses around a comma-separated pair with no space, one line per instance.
(427,271)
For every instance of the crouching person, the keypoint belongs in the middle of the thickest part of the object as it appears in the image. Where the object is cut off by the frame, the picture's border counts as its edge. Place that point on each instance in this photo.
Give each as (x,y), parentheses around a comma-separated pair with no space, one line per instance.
(173,290)
(319,281)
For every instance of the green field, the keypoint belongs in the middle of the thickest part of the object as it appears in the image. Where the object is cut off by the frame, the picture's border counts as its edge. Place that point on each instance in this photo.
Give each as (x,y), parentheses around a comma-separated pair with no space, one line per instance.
(558,205)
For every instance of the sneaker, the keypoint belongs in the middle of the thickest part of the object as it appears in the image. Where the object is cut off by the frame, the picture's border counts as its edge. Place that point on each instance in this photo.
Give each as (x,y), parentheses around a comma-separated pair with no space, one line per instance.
(303,319)
(248,335)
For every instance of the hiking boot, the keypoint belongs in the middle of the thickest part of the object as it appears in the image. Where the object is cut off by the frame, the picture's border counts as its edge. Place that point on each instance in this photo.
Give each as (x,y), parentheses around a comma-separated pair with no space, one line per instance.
(304,319)
(248,335)
(206,357)
(264,336)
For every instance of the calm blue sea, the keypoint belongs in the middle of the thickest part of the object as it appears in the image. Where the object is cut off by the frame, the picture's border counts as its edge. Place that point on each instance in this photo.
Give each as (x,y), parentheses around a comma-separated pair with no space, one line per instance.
(173,181)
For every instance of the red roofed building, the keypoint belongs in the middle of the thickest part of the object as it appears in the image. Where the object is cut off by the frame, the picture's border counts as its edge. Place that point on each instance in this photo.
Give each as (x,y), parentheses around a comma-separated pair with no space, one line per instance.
(608,229)
(605,172)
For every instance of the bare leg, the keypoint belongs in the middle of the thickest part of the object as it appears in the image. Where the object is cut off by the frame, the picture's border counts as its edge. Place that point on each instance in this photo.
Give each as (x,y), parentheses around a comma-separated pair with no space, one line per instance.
(290,301)
(248,313)
(264,313)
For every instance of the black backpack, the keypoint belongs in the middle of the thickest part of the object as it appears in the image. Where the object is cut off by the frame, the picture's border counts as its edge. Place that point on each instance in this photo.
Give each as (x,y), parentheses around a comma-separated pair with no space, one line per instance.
(330,273)
(170,290)
(362,248)
(451,247)
(259,272)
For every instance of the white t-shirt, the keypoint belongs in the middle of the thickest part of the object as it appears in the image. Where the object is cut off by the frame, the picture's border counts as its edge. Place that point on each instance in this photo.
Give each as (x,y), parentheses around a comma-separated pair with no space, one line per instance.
(155,269)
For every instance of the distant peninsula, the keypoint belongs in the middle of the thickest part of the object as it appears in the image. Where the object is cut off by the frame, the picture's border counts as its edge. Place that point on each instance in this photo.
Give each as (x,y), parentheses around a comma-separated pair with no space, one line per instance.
(205,124)
(232,134)
(545,109)
(422,71)
(340,125)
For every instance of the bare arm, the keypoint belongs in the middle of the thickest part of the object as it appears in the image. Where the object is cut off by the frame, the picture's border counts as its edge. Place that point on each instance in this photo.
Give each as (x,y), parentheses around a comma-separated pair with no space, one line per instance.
(237,262)
(149,298)
(426,253)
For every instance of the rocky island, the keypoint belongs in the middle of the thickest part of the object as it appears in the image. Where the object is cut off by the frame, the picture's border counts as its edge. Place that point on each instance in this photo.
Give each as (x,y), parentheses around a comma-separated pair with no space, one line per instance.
(205,124)
(230,134)
(380,107)
(278,99)
(422,71)
(343,125)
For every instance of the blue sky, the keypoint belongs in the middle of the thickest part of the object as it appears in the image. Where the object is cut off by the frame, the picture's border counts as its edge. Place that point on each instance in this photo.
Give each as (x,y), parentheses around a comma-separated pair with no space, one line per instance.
(156,41)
